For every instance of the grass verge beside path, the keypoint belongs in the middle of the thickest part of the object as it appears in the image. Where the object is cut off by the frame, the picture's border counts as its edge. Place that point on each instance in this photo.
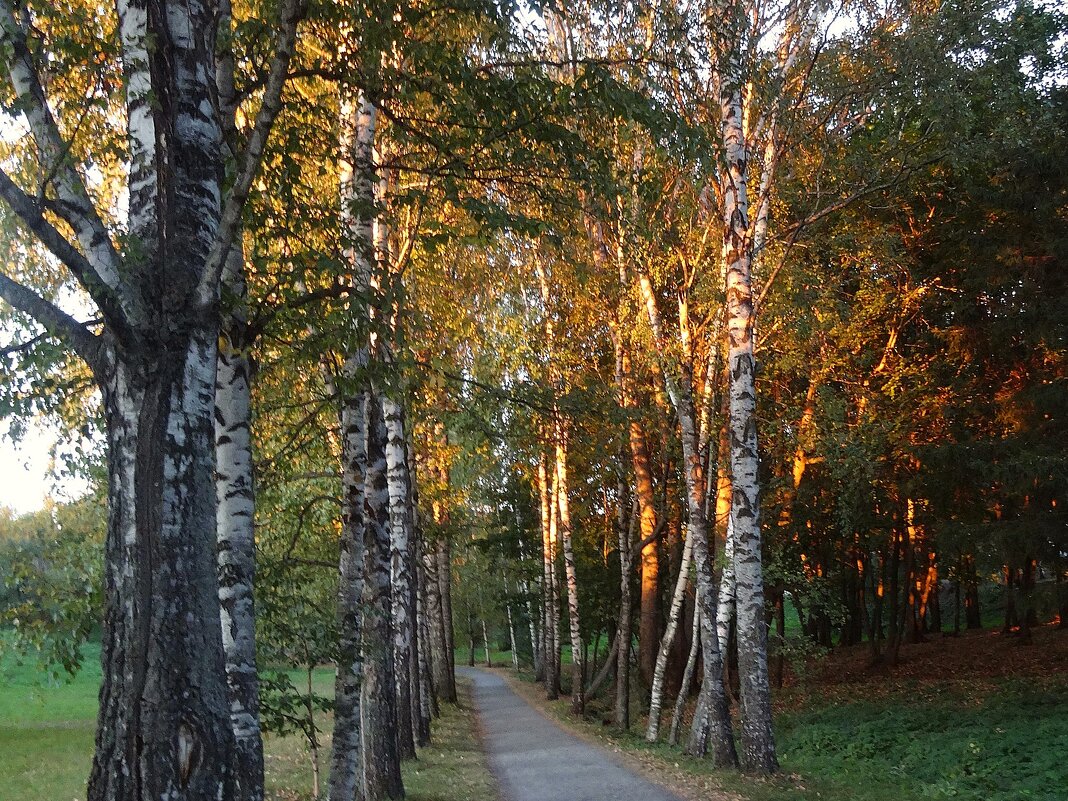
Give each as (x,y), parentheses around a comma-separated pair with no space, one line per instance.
(47,730)
(997,740)
(452,768)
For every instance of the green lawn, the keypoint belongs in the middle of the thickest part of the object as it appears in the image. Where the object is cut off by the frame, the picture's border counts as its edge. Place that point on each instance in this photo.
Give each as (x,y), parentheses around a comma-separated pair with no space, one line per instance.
(47,728)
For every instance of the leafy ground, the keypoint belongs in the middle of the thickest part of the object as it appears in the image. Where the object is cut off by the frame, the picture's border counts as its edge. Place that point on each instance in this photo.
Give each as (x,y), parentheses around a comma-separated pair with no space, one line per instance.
(975,718)
(46,737)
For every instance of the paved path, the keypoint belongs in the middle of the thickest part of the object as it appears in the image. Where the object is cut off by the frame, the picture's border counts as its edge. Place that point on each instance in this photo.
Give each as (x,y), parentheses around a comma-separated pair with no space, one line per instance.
(534,759)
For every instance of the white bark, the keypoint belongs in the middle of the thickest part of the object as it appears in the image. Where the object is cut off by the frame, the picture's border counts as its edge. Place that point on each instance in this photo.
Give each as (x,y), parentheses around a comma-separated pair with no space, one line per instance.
(235,535)
(400,570)
(550,629)
(714,726)
(577,689)
(378,698)
(656,696)
(687,676)
(758,744)
(725,608)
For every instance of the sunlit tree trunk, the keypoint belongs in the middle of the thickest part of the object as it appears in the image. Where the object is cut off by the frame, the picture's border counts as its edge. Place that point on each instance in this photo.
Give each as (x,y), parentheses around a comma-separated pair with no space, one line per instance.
(714,726)
(578,700)
(548,490)
(649,626)
(623,632)
(758,744)
(437,561)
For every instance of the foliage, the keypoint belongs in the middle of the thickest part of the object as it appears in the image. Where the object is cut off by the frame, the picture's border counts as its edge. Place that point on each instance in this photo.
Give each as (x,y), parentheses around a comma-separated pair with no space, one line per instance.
(51,598)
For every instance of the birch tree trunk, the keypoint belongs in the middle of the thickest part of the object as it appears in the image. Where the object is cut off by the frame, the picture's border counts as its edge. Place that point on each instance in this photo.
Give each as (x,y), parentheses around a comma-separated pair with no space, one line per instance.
(714,726)
(758,744)
(511,637)
(623,632)
(234,481)
(345,760)
(400,570)
(578,697)
(656,695)
(235,533)
(357,194)
(164,727)
(551,647)
(649,628)
(444,563)
(425,616)
(378,697)
(687,677)
(439,583)
(532,616)
(439,660)
(649,620)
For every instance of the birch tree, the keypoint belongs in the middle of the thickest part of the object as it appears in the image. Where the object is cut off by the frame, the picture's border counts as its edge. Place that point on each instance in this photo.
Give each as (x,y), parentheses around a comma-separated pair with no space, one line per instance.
(164,725)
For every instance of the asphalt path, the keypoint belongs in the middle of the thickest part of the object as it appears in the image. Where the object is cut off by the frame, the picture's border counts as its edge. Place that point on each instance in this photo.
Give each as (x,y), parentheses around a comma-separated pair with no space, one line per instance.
(533,759)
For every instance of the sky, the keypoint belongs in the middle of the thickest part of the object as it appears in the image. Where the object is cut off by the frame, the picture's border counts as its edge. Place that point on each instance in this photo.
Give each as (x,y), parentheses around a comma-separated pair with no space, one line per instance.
(24,479)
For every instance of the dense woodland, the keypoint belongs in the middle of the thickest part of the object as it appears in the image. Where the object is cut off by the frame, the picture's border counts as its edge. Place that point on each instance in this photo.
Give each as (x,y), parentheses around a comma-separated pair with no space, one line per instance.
(666,345)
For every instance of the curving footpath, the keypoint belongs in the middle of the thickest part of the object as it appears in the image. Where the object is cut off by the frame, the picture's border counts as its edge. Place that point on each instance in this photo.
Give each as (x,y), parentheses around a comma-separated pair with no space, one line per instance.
(533,759)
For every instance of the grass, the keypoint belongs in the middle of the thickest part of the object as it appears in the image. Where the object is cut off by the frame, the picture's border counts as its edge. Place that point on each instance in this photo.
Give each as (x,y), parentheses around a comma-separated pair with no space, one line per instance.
(47,730)
(971,719)
(998,741)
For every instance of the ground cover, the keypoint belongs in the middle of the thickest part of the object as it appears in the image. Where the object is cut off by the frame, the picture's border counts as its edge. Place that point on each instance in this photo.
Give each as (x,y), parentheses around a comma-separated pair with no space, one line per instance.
(47,728)
(976,718)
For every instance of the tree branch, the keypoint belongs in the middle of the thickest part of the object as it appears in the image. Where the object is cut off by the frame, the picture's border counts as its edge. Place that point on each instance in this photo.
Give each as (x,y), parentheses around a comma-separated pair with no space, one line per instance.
(56,321)
(291,13)
(29,212)
(73,202)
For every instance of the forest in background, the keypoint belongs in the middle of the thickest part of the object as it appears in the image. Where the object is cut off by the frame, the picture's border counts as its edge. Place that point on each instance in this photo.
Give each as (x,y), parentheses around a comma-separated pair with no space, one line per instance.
(672,346)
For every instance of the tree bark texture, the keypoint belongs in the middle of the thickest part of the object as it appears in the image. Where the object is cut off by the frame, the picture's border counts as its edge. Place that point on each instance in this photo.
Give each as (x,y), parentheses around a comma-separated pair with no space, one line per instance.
(401,557)
(357,180)
(550,630)
(578,700)
(235,533)
(164,726)
(757,739)
(378,697)
(714,725)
